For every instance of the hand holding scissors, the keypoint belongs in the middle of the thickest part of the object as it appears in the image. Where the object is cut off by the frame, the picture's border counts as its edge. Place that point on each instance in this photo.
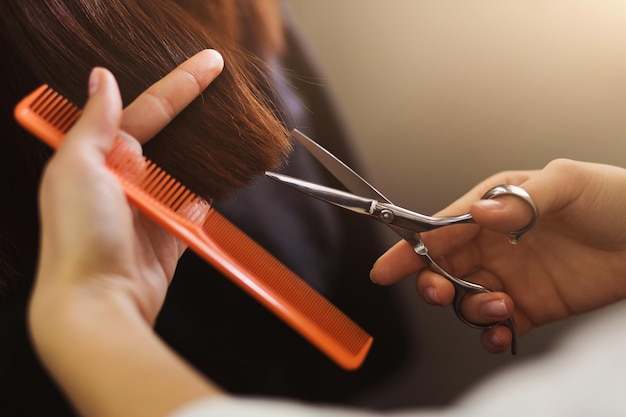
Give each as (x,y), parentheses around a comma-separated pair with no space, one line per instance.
(370,202)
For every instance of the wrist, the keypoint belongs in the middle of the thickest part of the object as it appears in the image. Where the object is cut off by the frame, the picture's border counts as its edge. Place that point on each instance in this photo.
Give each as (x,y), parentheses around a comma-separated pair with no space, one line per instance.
(103,353)
(57,314)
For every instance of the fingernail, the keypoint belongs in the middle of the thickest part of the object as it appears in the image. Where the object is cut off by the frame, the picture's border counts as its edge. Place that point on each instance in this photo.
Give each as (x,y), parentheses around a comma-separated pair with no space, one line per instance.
(495,340)
(495,309)
(431,295)
(490,204)
(218,59)
(94,81)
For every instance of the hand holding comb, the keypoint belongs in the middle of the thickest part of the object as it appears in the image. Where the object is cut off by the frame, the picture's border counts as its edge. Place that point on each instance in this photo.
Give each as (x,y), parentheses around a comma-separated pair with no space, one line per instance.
(49,116)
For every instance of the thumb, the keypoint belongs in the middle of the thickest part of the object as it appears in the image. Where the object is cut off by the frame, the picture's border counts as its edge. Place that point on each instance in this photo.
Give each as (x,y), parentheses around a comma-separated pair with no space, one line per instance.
(551,189)
(503,214)
(102,115)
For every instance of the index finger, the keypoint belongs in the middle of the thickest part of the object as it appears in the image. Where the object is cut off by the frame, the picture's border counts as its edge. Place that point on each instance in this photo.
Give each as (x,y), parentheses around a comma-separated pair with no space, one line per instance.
(397,263)
(161,102)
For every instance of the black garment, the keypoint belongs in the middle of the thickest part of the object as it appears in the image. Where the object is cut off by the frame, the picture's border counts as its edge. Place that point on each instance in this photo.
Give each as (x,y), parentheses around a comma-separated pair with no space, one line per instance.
(224,332)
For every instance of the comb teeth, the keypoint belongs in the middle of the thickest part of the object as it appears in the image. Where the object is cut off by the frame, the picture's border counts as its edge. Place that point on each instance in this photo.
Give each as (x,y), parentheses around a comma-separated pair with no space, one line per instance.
(56,109)
(47,115)
(139,173)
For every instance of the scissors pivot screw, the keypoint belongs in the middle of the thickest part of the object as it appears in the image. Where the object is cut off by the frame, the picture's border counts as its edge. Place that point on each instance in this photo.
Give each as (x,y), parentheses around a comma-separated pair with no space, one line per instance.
(386,216)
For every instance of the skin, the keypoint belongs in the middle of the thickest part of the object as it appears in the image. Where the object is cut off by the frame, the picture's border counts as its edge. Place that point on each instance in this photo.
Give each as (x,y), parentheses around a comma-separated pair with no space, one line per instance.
(571,262)
(104,268)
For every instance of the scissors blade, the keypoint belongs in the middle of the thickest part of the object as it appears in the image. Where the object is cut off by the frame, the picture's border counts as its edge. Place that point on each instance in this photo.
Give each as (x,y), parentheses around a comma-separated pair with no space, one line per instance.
(361,205)
(350,179)
(405,222)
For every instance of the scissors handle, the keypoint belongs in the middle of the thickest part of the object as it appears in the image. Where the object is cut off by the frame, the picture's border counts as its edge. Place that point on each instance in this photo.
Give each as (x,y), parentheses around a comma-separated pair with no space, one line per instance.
(463,288)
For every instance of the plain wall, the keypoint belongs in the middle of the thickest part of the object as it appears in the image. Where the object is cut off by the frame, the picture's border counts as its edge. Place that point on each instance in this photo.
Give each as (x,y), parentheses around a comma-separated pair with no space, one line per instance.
(443,93)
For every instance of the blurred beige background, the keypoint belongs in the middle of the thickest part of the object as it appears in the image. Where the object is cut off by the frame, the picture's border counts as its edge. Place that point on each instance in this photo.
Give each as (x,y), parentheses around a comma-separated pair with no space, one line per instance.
(443,93)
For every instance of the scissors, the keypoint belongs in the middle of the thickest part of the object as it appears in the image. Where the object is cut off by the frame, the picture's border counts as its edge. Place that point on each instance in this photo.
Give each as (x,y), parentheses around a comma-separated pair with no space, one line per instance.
(368,201)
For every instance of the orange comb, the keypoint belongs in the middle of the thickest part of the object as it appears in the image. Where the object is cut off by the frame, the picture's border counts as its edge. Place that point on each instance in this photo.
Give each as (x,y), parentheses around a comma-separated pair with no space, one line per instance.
(48,115)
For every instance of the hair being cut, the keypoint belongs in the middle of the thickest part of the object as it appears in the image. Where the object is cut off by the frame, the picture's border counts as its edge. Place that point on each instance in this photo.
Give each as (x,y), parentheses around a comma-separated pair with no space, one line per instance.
(221,141)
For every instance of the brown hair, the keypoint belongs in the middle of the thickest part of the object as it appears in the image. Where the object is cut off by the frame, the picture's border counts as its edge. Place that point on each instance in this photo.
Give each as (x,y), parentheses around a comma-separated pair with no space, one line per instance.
(255,24)
(221,141)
